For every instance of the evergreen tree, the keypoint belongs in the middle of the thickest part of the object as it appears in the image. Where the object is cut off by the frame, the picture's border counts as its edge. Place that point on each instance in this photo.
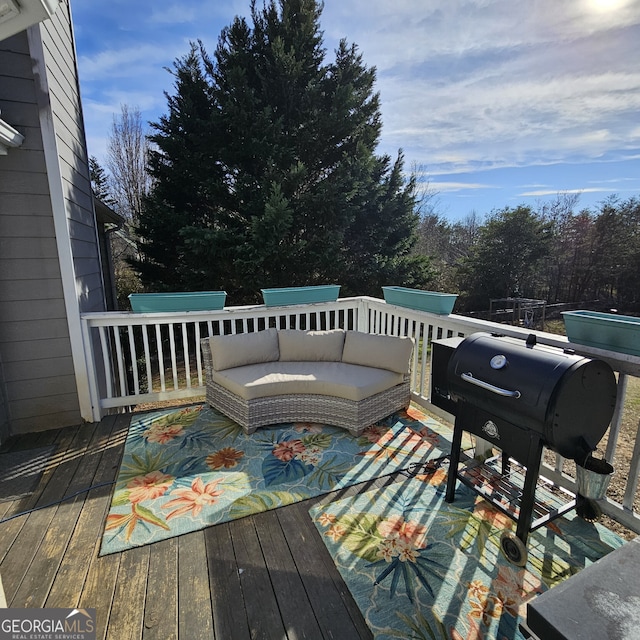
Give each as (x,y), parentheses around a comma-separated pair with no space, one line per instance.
(265,172)
(99,181)
(616,273)
(181,168)
(508,258)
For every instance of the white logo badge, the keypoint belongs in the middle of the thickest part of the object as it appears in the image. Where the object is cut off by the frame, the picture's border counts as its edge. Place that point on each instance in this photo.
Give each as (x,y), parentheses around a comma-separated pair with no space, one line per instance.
(491,429)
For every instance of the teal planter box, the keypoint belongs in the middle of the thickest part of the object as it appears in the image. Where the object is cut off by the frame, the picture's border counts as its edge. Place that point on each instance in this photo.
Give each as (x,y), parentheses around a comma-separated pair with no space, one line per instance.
(183,301)
(300,295)
(431,301)
(603,330)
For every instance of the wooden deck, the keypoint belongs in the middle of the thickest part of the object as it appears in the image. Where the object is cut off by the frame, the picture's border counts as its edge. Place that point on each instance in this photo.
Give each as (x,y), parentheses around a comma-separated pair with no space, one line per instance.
(265,576)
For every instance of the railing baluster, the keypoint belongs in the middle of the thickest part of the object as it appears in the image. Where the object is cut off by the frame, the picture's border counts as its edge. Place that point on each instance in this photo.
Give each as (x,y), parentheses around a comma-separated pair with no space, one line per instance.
(199,353)
(106,359)
(423,364)
(185,351)
(134,360)
(120,360)
(147,358)
(172,346)
(160,357)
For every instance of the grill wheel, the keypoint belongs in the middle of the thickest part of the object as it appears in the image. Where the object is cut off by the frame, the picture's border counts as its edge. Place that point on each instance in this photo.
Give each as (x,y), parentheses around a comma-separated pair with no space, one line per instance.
(514,550)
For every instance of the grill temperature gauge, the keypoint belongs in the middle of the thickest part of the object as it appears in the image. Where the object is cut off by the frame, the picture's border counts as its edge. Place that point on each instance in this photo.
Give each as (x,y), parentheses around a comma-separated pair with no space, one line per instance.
(498,362)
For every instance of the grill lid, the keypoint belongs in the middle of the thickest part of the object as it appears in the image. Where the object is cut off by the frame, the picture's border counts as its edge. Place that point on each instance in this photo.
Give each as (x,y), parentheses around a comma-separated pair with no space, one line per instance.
(567,398)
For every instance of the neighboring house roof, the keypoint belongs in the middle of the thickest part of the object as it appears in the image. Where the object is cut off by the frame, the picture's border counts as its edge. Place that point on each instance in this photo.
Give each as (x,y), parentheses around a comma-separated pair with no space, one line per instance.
(106,215)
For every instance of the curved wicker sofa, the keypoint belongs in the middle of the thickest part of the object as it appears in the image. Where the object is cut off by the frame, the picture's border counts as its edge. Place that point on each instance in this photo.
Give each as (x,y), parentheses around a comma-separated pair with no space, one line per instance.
(343,378)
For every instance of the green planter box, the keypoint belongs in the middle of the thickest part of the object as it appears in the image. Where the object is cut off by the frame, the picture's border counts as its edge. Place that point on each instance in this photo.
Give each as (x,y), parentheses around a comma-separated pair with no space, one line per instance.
(183,301)
(431,301)
(300,295)
(603,330)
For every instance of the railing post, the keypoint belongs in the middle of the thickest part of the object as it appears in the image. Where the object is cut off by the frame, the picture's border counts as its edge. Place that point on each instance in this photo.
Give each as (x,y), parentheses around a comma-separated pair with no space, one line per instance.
(90,407)
(633,475)
(616,420)
(362,309)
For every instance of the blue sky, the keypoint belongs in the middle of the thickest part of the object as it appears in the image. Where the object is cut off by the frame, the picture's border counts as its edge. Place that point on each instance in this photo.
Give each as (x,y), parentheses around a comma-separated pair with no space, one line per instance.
(495,103)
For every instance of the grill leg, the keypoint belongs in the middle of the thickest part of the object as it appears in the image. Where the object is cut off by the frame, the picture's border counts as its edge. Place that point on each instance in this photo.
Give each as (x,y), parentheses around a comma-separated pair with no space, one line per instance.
(454,460)
(529,490)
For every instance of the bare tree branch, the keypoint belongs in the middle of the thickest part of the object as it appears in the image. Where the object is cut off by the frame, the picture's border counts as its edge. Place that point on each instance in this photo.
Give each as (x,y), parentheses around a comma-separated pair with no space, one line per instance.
(127,154)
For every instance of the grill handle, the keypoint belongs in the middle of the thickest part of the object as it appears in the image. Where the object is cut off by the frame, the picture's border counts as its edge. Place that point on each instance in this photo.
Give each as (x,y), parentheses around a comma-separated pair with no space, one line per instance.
(468,377)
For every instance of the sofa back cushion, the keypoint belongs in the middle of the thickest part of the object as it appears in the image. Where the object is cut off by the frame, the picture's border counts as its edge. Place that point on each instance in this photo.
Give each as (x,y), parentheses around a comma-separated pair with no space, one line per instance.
(239,349)
(311,346)
(384,352)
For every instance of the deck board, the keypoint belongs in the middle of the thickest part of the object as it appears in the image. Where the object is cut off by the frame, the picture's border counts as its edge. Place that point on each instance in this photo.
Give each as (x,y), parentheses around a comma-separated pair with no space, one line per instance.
(12,528)
(194,596)
(34,590)
(264,576)
(127,610)
(84,544)
(99,590)
(260,602)
(229,618)
(161,608)
(334,620)
(287,584)
(31,532)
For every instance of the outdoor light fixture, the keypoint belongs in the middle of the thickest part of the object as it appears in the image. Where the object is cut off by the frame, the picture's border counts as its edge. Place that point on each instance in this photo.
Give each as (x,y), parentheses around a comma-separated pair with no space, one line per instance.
(8,9)
(9,137)
(18,15)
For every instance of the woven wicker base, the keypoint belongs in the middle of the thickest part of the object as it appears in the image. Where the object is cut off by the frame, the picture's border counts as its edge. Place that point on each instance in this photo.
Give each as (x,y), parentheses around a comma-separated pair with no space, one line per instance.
(353,416)
(339,412)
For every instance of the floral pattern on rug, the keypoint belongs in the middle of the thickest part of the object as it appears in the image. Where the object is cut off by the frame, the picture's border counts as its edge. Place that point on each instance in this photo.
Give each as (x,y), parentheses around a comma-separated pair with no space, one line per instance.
(183,470)
(421,568)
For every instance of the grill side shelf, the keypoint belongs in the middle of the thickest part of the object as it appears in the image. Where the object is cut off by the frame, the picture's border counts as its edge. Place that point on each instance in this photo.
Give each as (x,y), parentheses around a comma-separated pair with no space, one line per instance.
(505,491)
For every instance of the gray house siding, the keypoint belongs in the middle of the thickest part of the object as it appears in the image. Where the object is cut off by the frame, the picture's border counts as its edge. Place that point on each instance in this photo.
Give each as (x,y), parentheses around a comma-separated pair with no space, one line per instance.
(4,418)
(50,269)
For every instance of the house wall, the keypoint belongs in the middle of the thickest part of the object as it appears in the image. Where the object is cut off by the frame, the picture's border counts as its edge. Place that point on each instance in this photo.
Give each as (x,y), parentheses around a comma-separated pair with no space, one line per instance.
(64,96)
(4,421)
(49,257)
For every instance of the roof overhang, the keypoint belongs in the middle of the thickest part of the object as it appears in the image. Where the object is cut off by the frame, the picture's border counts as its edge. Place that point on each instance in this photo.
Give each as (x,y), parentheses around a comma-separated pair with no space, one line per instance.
(18,15)
(106,215)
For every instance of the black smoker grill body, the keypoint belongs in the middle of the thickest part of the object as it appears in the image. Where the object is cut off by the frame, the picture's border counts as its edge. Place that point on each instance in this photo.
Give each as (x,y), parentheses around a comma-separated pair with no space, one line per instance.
(521,397)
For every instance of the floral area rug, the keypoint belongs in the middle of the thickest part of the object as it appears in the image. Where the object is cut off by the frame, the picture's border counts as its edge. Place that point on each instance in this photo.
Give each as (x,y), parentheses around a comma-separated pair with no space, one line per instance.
(421,568)
(183,470)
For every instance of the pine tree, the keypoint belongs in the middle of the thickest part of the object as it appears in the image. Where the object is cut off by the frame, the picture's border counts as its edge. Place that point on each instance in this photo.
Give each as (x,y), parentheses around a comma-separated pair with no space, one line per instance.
(266,173)
(99,181)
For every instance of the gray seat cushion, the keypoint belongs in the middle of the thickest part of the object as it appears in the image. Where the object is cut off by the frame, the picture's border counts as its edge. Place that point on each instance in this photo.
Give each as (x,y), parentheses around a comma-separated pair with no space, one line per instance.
(372,350)
(349,381)
(239,349)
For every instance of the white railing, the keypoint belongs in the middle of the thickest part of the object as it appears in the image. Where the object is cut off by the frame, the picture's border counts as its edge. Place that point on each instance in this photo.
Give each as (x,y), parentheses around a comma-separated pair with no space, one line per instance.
(135,358)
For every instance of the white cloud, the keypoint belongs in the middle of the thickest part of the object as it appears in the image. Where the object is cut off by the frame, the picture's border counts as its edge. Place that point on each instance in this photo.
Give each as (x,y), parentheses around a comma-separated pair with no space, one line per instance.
(128,62)
(449,187)
(555,192)
(499,82)
(466,86)
(173,14)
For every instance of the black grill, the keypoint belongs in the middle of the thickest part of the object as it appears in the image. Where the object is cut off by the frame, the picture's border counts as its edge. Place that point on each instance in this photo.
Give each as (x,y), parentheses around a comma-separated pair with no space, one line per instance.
(520,397)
